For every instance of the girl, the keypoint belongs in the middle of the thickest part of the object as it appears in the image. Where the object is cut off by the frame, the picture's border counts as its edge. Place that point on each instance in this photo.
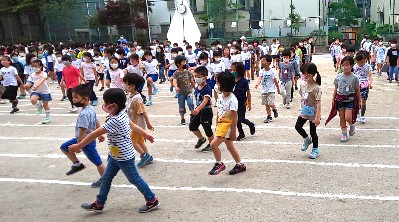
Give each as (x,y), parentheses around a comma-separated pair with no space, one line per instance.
(10,78)
(88,71)
(310,92)
(151,69)
(20,69)
(40,95)
(58,71)
(243,95)
(226,59)
(50,59)
(121,155)
(246,58)
(162,61)
(114,74)
(98,61)
(363,71)
(28,66)
(211,81)
(218,67)
(226,126)
(346,98)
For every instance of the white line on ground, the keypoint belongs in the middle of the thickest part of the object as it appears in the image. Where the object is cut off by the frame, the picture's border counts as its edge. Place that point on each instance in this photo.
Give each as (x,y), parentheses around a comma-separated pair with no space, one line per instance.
(216,189)
(206,161)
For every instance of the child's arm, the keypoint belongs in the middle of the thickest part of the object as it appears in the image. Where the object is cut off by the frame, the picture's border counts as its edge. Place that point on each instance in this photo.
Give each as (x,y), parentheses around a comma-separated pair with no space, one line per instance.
(277,86)
(140,131)
(101,138)
(234,118)
(359,97)
(82,78)
(335,93)
(318,112)
(88,139)
(19,79)
(258,82)
(371,79)
(249,100)
(147,121)
(82,133)
(192,82)
(95,73)
(199,108)
(40,82)
(175,85)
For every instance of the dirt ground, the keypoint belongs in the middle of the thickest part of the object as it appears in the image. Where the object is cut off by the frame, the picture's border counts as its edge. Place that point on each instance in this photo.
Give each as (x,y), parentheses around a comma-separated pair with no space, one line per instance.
(353,181)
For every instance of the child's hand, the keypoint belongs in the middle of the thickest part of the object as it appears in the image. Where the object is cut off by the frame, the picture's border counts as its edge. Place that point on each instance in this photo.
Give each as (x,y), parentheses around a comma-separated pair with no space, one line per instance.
(195,112)
(74,148)
(360,104)
(316,121)
(371,86)
(233,136)
(149,138)
(150,127)
(278,91)
(256,86)
(101,138)
(249,107)
(33,88)
(177,90)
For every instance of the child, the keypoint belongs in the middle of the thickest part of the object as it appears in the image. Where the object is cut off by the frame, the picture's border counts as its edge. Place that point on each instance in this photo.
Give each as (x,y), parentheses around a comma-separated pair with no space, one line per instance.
(58,66)
(346,98)
(363,71)
(183,83)
(287,71)
(191,57)
(170,65)
(160,56)
(121,155)
(202,114)
(88,71)
(123,62)
(392,61)
(71,76)
(380,51)
(226,59)
(20,69)
(114,74)
(98,60)
(151,69)
(243,95)
(40,95)
(85,124)
(226,125)
(267,78)
(310,92)
(218,67)
(50,60)
(138,115)
(340,57)
(274,50)
(246,58)
(10,78)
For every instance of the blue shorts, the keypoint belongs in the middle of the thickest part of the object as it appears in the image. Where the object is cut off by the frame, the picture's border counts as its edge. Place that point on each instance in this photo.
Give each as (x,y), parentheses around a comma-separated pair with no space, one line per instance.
(247,65)
(43,97)
(171,72)
(59,77)
(89,150)
(345,105)
(192,64)
(50,66)
(154,77)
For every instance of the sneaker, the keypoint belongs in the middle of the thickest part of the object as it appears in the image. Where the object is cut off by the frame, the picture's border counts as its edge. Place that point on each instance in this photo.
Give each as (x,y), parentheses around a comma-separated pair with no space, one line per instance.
(306,143)
(344,137)
(352,130)
(22,96)
(63,98)
(363,120)
(390,80)
(288,106)
(266,120)
(148,103)
(46,120)
(92,207)
(275,113)
(14,110)
(176,95)
(150,206)
(39,108)
(94,103)
(3,101)
(200,142)
(101,89)
(240,137)
(314,154)
(145,160)
(252,129)
(207,149)
(58,86)
(358,118)
(217,168)
(171,88)
(238,168)
(75,169)
(155,91)
(73,110)
(96,184)
(183,122)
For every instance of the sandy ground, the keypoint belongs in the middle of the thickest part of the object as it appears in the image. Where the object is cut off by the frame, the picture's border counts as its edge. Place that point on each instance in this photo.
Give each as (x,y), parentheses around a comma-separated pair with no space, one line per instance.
(353,181)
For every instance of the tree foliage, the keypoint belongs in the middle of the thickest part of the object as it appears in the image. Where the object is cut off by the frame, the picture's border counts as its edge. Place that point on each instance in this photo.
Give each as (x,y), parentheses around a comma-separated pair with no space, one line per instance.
(295,19)
(346,12)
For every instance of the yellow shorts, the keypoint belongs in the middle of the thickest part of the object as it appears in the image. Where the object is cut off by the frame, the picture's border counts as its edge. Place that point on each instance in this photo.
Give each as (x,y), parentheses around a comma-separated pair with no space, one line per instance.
(223,130)
(136,138)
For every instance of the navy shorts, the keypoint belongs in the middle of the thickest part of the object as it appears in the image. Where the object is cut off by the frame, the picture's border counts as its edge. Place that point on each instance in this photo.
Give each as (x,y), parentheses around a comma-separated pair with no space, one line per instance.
(345,105)
(247,65)
(154,77)
(50,66)
(59,77)
(364,93)
(90,151)
(192,65)
(171,72)
(43,97)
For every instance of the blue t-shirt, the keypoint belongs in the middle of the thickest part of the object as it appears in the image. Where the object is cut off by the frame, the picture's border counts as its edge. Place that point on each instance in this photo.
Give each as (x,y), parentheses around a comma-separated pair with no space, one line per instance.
(87,119)
(201,93)
(123,63)
(240,91)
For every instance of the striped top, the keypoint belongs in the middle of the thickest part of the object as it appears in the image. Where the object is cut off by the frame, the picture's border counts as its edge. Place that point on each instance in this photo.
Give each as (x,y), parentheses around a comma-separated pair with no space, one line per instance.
(119,142)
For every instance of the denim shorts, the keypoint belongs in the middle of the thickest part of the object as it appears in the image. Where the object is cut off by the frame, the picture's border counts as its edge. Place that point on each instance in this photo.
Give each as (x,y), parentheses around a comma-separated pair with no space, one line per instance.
(89,150)
(43,97)
(345,105)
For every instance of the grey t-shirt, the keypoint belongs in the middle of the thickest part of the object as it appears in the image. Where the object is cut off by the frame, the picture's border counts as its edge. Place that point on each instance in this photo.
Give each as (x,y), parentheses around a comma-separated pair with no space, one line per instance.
(286,71)
(184,81)
(87,119)
(347,84)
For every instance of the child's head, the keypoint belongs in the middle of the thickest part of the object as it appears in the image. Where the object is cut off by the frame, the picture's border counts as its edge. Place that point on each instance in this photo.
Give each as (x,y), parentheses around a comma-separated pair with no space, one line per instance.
(114,101)
(132,82)
(226,51)
(58,56)
(29,58)
(87,57)
(343,48)
(347,64)
(173,53)
(203,58)
(200,75)
(114,63)
(134,59)
(120,52)
(14,57)
(81,95)
(66,60)
(350,51)
(5,61)
(286,55)
(238,70)
(226,81)
(310,70)
(189,49)
(216,56)
(393,43)
(37,65)
(148,56)
(360,59)
(266,61)
(180,62)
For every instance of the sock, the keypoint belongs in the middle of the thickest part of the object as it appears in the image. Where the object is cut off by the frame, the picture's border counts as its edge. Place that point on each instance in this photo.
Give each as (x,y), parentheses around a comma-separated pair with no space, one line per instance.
(48,114)
(352,127)
(149,97)
(145,154)
(219,162)
(239,163)
(153,85)
(77,164)
(363,110)
(344,130)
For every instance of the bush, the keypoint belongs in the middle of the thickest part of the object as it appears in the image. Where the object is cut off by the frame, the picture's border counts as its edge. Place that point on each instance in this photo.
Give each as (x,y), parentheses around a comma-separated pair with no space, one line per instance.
(334,35)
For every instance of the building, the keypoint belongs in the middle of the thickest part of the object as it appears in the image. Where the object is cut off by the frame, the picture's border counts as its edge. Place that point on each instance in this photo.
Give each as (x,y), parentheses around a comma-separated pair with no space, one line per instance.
(384,12)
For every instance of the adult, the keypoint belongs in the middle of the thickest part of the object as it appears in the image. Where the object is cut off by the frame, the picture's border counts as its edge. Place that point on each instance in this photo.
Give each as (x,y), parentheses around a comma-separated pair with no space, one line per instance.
(121,40)
(312,48)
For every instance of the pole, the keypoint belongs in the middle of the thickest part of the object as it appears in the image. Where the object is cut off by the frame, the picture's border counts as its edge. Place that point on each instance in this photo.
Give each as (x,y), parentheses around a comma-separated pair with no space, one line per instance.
(148,21)
(88,17)
(319,16)
(291,17)
(131,20)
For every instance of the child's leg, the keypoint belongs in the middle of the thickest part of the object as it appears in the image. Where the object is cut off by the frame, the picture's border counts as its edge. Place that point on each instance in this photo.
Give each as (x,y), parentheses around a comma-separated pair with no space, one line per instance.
(313,134)
(91,153)
(268,110)
(233,151)
(181,100)
(143,147)
(149,86)
(363,109)
(110,172)
(93,96)
(62,87)
(135,137)
(71,155)
(300,122)
(241,117)
(69,95)
(34,99)
(342,119)
(46,108)
(348,116)
(215,148)
(288,88)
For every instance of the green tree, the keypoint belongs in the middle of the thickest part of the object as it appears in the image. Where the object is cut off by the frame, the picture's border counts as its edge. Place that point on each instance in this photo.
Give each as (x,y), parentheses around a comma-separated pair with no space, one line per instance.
(295,19)
(345,12)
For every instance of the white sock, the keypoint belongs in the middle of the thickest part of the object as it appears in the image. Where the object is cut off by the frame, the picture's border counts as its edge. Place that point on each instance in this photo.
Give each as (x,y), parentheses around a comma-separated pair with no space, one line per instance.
(77,164)
(153,85)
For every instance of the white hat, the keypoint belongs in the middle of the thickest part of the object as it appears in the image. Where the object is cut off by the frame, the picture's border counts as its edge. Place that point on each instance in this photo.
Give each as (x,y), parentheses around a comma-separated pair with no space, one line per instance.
(242,37)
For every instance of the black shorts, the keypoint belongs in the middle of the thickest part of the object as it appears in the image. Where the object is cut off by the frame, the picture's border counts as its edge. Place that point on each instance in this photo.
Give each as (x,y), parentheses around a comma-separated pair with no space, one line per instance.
(204,117)
(274,56)
(23,78)
(100,76)
(10,93)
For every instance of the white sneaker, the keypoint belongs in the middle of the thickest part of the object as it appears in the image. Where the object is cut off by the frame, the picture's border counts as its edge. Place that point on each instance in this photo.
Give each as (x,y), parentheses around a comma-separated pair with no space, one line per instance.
(73,110)
(358,119)
(363,120)
(3,101)
(287,106)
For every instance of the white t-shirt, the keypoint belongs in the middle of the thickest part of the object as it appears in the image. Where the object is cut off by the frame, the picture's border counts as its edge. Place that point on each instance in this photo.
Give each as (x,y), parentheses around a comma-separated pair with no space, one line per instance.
(35,78)
(77,63)
(191,57)
(9,76)
(119,142)
(51,58)
(22,59)
(88,71)
(151,67)
(236,58)
(28,70)
(245,56)
(135,69)
(267,81)
(274,48)
(227,62)
(59,66)
(264,49)
(218,67)
(225,106)
(136,100)
(116,78)
(362,72)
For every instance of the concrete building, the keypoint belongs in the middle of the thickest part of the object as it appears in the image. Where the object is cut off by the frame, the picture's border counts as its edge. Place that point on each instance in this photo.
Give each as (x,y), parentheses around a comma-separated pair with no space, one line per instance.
(384,12)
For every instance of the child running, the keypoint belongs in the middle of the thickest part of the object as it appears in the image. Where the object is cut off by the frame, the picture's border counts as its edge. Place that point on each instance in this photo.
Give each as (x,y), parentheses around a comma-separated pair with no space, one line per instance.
(310,92)
(10,78)
(226,125)
(138,115)
(88,71)
(151,69)
(58,66)
(121,155)
(114,74)
(346,98)
(202,114)
(363,71)
(267,78)
(85,124)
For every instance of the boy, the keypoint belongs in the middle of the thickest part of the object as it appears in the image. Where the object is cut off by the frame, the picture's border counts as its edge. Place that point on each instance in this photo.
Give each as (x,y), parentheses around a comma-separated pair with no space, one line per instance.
(85,124)
(392,61)
(226,125)
(286,76)
(151,68)
(171,66)
(203,113)
(274,51)
(191,57)
(123,62)
(138,115)
(10,80)
(363,71)
(183,84)
(20,69)
(268,79)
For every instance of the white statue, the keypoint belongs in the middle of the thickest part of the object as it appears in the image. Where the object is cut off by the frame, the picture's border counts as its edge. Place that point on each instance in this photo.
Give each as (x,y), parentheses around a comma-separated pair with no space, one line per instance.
(183,25)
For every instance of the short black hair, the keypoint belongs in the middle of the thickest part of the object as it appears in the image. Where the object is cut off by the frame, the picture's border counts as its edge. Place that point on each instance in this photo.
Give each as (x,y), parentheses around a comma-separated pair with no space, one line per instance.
(117,96)
(203,56)
(268,58)
(87,54)
(226,81)
(82,90)
(240,69)
(286,52)
(66,58)
(174,50)
(350,48)
(216,53)
(360,56)
(179,59)
(120,51)
(202,70)
(134,79)
(349,59)
(116,59)
(189,47)
(147,53)
(134,57)
(58,53)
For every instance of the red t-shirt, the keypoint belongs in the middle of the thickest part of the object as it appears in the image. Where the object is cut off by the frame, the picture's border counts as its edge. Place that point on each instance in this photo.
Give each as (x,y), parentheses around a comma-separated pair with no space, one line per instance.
(71,76)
